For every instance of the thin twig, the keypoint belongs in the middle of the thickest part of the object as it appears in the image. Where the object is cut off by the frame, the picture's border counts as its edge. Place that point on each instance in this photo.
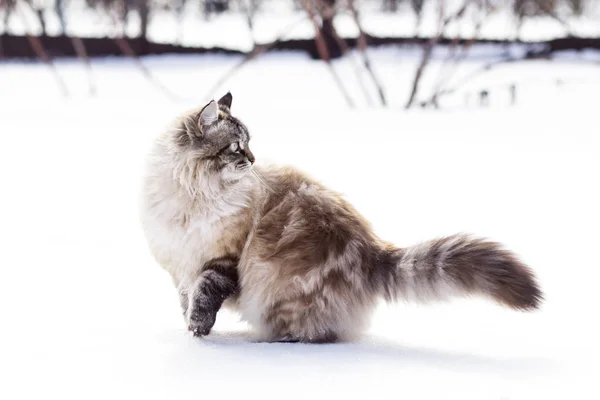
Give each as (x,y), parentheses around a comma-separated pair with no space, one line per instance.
(488,67)
(38,48)
(362,46)
(249,21)
(82,54)
(251,55)
(256,50)
(127,50)
(324,53)
(550,12)
(485,68)
(78,46)
(346,52)
(443,81)
(428,48)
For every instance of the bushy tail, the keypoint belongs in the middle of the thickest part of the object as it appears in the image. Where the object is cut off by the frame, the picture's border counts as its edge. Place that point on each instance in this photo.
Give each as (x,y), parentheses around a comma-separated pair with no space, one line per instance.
(457,265)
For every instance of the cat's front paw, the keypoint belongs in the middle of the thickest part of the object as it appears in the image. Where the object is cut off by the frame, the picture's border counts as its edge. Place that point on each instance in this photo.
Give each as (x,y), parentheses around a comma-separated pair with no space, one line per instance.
(201,322)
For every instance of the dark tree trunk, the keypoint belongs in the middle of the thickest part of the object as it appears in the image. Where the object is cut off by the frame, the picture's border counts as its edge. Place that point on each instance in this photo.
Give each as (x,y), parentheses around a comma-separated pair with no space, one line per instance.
(144,12)
(328,31)
(215,7)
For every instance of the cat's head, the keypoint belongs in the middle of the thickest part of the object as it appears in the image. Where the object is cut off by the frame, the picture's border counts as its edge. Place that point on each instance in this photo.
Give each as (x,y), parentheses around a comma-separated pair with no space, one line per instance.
(218,140)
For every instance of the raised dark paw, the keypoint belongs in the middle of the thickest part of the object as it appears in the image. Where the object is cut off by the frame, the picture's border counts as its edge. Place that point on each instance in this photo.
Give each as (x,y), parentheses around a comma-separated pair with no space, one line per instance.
(201,322)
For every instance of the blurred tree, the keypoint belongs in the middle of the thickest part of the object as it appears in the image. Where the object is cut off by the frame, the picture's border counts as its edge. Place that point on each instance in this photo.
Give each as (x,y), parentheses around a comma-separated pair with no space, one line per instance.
(524,9)
(328,12)
(577,6)
(121,10)
(530,8)
(417,6)
(211,7)
(390,5)
(6,6)
(59,9)
(38,7)
(250,8)
(143,9)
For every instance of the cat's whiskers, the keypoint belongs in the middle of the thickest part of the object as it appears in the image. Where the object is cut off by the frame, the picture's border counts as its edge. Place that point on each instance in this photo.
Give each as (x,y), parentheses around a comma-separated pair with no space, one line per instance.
(262,181)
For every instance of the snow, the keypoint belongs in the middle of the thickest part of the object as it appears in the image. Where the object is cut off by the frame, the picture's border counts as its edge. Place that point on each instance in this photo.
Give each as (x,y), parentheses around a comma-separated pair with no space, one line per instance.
(87,313)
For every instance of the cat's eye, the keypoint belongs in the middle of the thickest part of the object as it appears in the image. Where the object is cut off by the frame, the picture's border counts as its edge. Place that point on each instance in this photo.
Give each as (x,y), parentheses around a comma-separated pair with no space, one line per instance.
(234,147)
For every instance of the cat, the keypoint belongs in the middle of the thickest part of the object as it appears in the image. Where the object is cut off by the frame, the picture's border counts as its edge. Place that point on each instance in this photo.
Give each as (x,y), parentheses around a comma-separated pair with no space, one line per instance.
(294,258)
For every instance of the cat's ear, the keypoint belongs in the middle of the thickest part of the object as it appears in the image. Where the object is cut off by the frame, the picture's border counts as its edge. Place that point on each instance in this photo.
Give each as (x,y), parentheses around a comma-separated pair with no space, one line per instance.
(208,115)
(226,100)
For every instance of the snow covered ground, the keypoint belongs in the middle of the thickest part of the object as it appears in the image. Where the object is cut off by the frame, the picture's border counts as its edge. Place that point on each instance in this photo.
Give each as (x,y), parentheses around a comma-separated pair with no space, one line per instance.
(86,312)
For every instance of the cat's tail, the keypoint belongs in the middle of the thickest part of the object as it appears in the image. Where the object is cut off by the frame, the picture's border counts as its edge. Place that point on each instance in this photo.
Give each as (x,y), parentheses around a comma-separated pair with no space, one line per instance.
(457,265)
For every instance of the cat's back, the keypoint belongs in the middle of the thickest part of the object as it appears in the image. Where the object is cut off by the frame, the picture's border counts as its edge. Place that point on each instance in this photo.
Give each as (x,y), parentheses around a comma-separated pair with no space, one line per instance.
(294,187)
(303,221)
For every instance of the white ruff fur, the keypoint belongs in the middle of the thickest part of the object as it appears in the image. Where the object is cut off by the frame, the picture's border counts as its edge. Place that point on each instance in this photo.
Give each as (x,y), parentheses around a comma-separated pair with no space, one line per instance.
(185,209)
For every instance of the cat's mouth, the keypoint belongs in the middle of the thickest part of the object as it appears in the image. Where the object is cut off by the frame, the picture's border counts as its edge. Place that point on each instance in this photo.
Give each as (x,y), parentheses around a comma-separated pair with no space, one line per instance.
(243,166)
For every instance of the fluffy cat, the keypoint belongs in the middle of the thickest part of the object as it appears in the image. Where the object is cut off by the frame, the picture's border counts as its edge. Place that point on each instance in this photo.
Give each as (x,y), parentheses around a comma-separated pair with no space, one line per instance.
(294,258)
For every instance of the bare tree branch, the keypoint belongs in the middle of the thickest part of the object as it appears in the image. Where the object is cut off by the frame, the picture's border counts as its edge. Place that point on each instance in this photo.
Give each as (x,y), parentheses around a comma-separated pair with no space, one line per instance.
(249,19)
(362,46)
(128,51)
(251,55)
(118,17)
(82,54)
(39,50)
(346,52)
(497,63)
(485,68)
(428,47)
(324,54)
(550,12)
(456,59)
